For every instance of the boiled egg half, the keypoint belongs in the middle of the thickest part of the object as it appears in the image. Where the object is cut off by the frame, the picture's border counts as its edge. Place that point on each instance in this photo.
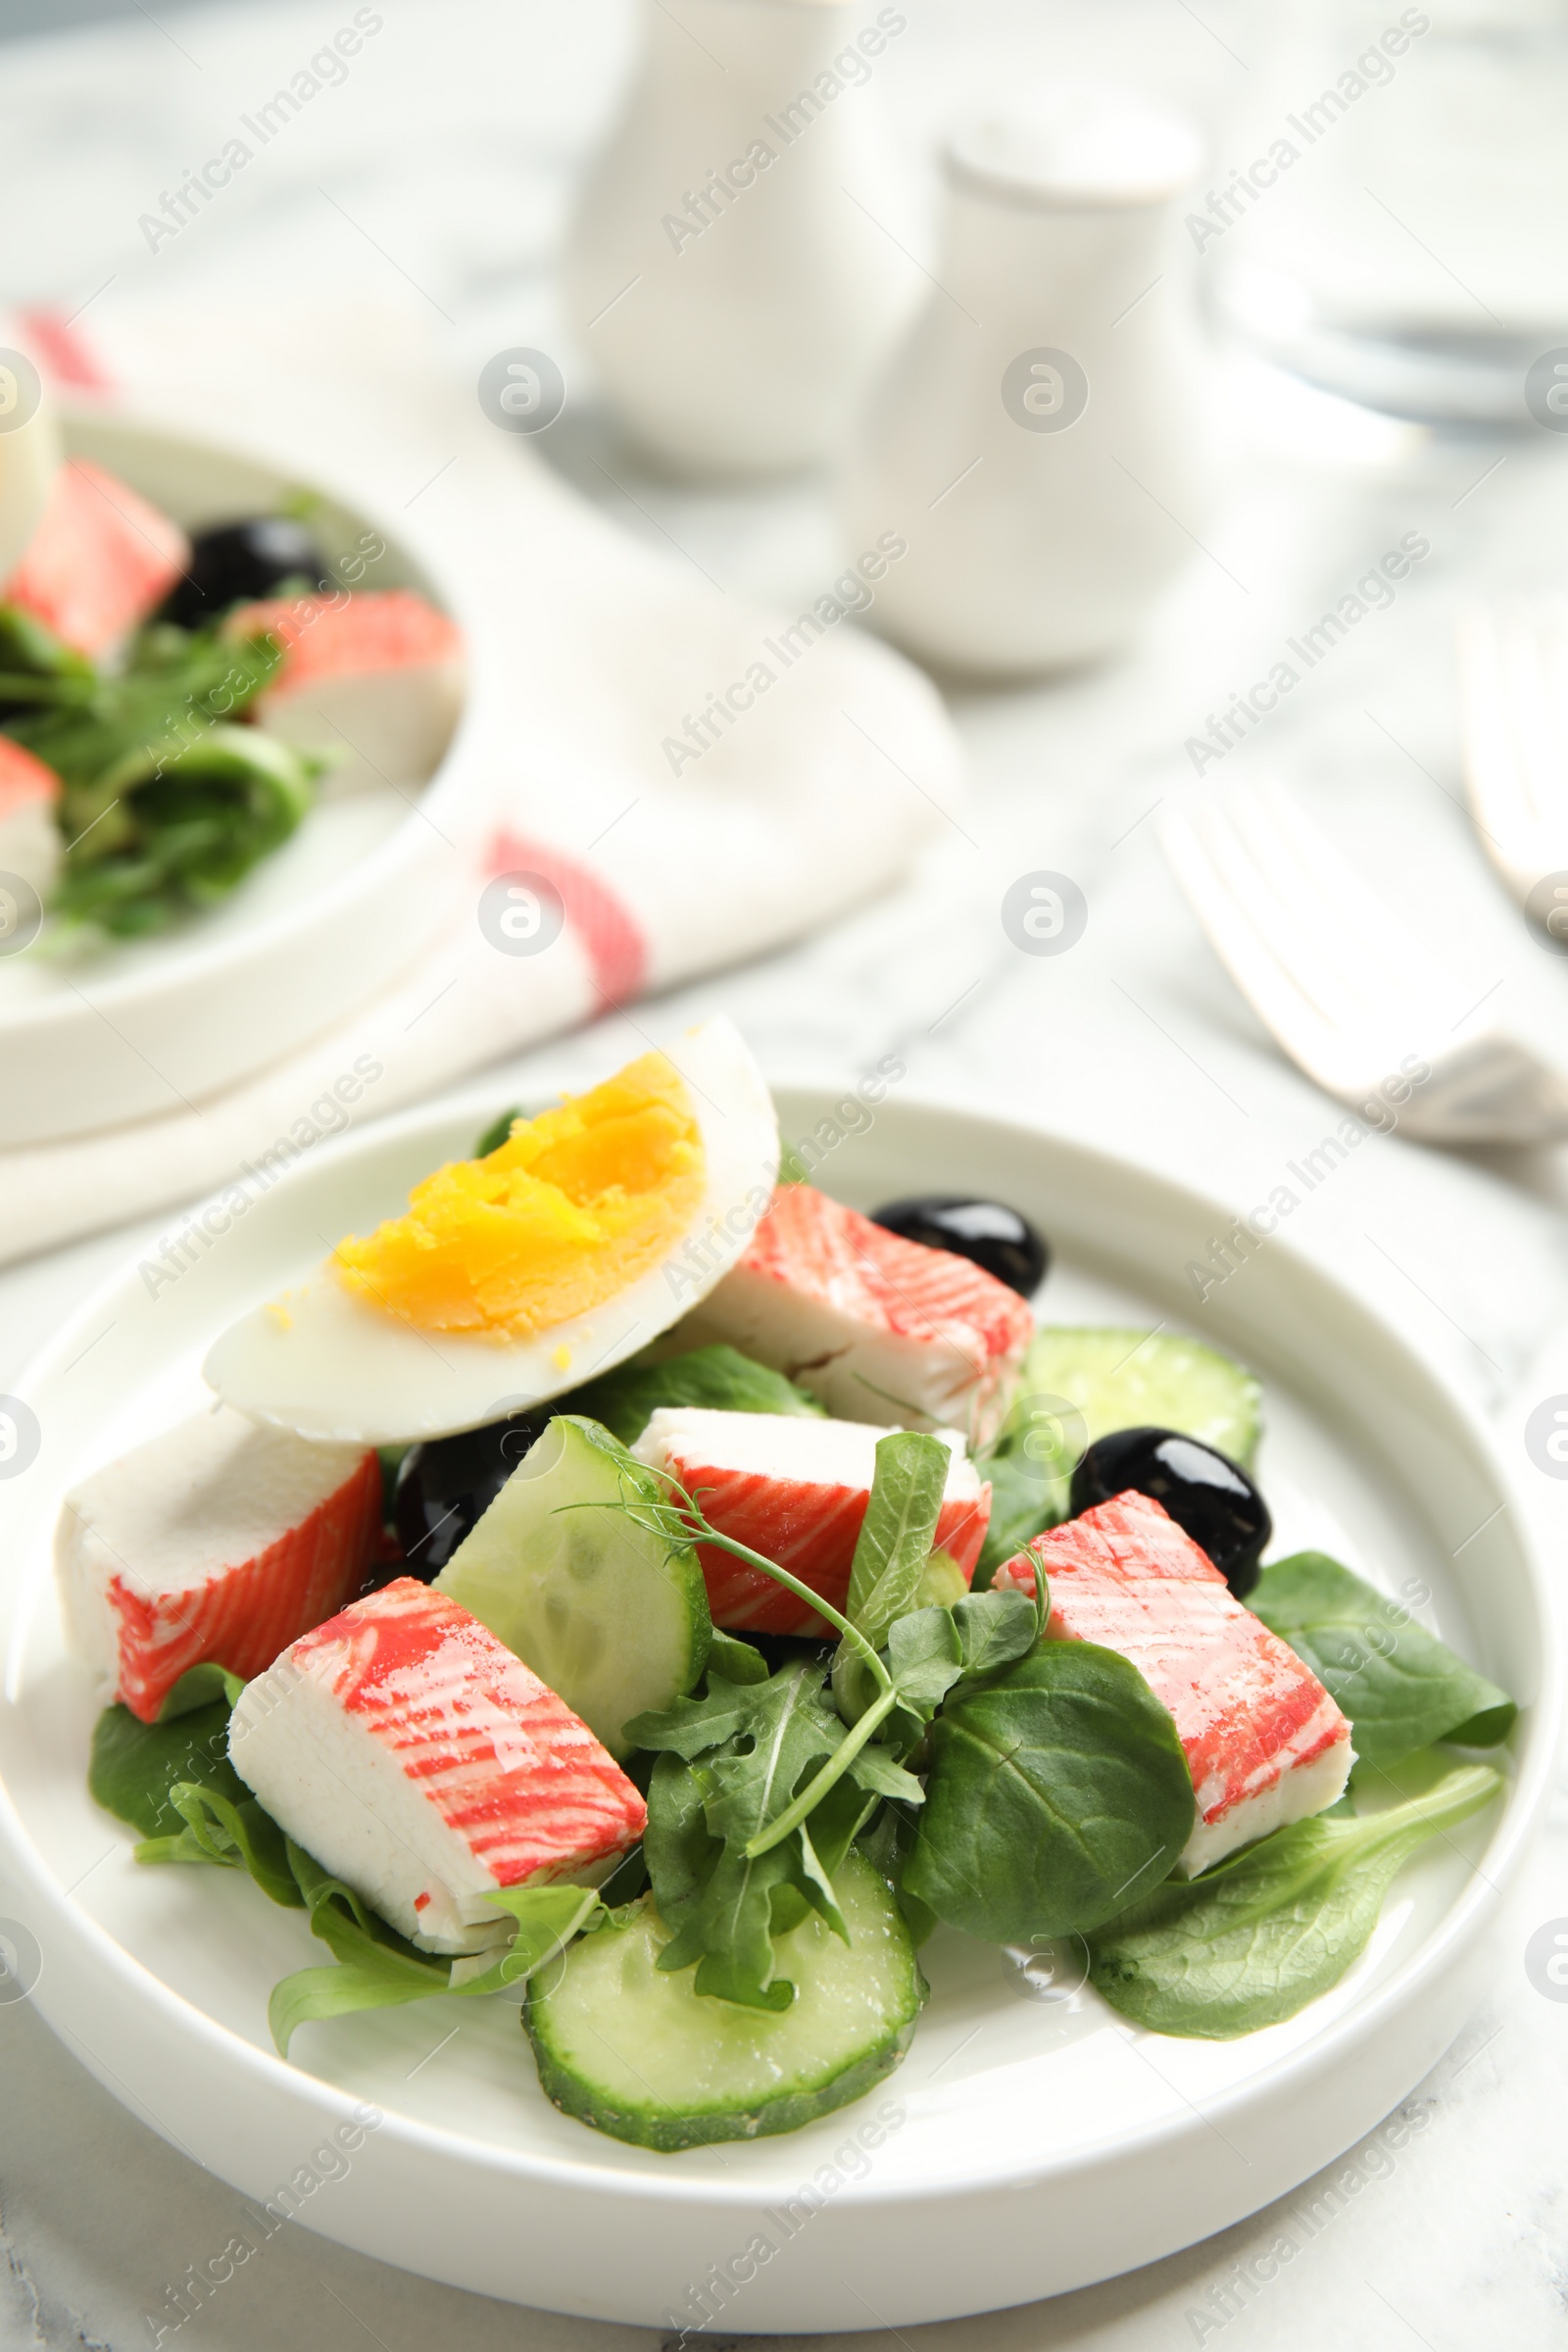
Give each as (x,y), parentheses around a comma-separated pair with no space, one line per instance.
(516,1276)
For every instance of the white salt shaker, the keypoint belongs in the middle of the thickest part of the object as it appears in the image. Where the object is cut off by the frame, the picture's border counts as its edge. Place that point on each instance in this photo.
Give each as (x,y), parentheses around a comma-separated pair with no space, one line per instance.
(735,269)
(1039,438)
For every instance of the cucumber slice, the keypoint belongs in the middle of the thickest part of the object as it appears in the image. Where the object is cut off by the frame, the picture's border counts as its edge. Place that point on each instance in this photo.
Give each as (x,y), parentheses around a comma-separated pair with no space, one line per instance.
(614,1617)
(696,2069)
(1112,1379)
(1159,1379)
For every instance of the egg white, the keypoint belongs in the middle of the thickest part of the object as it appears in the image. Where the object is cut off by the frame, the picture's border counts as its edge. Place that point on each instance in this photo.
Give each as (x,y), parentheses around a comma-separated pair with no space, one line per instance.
(323,1361)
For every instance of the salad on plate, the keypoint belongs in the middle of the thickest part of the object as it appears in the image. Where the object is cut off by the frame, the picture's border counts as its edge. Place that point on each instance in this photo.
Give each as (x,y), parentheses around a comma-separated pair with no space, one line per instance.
(170,706)
(635,1585)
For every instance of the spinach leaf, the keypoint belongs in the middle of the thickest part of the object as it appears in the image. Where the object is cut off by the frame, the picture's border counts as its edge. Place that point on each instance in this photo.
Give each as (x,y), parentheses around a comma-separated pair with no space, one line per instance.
(1029,1492)
(718,1376)
(236,1837)
(135,1766)
(172,1781)
(932,1649)
(1259,1935)
(1401,1687)
(1055,1787)
(996,1627)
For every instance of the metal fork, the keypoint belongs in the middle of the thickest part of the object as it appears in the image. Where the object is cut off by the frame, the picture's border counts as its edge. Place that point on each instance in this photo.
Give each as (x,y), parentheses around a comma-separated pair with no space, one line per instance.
(1348,991)
(1513,701)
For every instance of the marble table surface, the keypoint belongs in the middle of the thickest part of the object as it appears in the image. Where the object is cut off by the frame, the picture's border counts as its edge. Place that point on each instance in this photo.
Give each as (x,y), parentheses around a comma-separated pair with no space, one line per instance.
(456,145)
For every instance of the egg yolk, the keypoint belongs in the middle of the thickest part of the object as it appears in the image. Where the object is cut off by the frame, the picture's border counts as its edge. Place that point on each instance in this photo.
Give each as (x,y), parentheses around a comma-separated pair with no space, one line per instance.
(570,1209)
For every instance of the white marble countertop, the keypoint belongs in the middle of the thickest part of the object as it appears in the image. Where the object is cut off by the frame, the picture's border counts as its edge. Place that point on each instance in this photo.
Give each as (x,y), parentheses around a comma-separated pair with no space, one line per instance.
(455,144)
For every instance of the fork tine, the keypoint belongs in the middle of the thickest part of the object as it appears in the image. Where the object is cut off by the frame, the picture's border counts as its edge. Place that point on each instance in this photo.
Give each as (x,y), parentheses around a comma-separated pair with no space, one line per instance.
(1514,718)
(1379,956)
(1331,928)
(1208,878)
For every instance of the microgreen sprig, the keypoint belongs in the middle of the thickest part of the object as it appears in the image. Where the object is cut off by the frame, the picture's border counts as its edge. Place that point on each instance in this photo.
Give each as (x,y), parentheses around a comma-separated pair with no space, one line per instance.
(682,1520)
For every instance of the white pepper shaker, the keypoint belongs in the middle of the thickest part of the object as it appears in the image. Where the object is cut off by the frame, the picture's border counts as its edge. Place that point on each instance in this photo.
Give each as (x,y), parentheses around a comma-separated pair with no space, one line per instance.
(1039,438)
(735,269)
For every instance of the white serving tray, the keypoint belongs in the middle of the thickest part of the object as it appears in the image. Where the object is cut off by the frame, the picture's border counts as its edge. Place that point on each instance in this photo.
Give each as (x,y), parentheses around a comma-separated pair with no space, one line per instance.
(136,1028)
(1034,2145)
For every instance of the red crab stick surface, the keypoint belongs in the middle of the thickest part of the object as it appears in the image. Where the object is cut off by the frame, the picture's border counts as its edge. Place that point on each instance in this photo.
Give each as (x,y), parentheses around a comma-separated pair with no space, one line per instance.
(423,1763)
(877,1327)
(1264,1741)
(796,1490)
(99,562)
(218,1542)
(377,679)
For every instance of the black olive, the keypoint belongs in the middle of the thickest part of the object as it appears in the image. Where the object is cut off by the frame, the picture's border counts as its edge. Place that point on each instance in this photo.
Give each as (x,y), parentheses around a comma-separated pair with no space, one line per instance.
(237,560)
(987,1232)
(446,1484)
(1204,1491)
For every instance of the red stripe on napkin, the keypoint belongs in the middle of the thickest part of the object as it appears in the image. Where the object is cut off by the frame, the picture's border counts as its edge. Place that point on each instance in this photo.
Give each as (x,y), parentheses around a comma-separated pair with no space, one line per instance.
(67,355)
(617,950)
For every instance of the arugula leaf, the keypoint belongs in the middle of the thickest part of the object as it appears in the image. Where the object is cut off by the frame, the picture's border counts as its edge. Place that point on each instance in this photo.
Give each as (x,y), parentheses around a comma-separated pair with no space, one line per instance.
(718,1376)
(136,1766)
(886,1841)
(678,1846)
(376,1968)
(897,1533)
(759,1741)
(497,1132)
(737,1661)
(1056,1785)
(1256,1937)
(1401,1687)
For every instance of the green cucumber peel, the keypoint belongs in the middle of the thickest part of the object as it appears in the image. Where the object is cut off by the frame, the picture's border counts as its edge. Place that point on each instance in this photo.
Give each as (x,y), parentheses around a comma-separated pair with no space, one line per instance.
(1257,1936)
(1401,1688)
(799,1810)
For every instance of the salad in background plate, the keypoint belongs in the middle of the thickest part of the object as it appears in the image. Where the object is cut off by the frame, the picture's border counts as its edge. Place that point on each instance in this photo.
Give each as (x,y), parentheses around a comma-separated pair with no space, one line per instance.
(171,706)
(663,1597)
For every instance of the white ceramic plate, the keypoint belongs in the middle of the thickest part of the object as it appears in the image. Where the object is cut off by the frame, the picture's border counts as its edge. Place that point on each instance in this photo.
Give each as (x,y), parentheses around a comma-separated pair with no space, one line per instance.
(1027,2145)
(135,1028)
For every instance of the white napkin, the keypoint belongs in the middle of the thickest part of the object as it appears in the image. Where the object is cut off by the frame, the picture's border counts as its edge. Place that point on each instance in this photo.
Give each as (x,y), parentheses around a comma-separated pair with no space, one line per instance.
(589,652)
